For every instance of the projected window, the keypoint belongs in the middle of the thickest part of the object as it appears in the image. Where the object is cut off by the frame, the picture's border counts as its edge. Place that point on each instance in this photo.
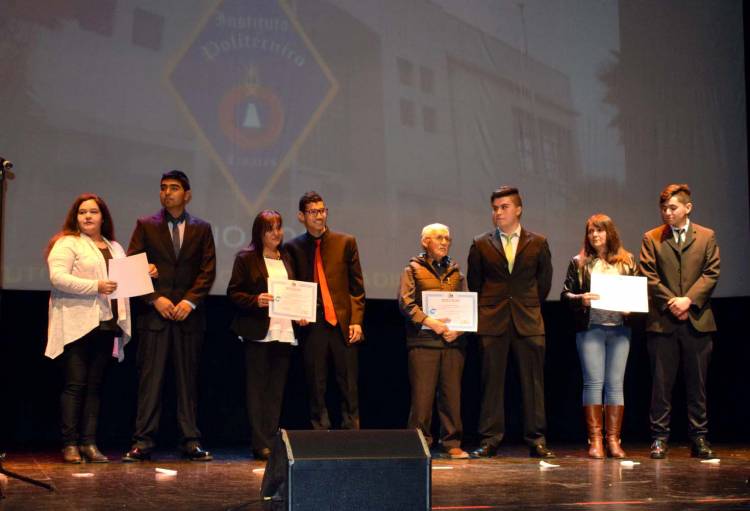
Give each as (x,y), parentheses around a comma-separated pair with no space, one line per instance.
(550,152)
(408,114)
(429,119)
(555,148)
(525,138)
(426,80)
(148,29)
(405,71)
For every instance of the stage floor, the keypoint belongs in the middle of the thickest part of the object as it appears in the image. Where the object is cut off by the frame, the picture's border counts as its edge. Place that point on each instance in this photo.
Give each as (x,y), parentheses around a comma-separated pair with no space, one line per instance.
(510,481)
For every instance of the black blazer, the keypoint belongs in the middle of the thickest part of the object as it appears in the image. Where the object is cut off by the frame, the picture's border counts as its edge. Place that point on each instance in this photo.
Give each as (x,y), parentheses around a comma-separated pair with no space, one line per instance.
(506,296)
(187,277)
(249,279)
(342,269)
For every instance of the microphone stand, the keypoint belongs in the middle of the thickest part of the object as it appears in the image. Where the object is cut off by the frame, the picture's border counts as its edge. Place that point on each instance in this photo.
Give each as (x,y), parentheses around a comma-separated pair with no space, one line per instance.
(5,167)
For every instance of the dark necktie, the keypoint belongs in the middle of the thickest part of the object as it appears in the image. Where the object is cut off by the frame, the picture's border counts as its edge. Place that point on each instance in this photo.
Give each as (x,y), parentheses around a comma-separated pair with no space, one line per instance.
(680,237)
(176,238)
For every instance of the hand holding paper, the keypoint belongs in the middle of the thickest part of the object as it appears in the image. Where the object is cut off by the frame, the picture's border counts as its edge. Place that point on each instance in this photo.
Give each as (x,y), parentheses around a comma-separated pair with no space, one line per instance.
(621,293)
(131,275)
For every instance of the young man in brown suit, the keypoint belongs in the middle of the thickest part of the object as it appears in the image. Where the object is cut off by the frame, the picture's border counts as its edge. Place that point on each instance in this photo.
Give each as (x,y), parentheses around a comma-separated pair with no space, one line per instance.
(681,261)
(180,248)
(332,260)
(511,269)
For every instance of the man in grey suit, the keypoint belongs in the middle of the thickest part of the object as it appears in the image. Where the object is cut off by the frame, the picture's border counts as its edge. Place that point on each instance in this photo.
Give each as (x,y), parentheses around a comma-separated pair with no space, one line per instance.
(681,261)
(511,269)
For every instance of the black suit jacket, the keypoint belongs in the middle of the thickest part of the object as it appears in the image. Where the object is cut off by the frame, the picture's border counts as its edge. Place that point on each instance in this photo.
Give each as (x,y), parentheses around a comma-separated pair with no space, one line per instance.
(187,277)
(249,279)
(342,269)
(506,296)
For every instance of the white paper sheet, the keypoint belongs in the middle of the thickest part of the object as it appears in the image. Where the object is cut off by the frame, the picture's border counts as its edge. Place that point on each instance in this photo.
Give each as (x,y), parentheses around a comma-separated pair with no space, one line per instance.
(458,308)
(131,275)
(621,293)
(293,299)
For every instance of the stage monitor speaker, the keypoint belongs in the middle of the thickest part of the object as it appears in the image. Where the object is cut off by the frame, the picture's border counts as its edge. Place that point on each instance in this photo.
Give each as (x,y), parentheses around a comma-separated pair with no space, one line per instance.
(369,470)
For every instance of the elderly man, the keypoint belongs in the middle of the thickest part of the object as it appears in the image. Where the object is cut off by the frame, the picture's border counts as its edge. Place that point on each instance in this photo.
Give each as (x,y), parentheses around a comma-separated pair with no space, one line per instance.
(436,353)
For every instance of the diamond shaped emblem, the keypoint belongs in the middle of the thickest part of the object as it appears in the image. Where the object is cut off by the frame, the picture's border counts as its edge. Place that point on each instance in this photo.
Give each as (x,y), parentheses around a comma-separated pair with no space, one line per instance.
(252,85)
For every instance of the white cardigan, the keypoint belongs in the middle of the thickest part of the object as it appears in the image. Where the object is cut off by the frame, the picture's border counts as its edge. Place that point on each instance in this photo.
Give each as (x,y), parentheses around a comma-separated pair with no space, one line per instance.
(76,266)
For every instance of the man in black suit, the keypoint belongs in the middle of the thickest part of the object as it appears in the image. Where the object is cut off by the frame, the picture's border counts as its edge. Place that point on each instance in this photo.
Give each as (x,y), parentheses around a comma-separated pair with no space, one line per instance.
(511,269)
(332,260)
(180,248)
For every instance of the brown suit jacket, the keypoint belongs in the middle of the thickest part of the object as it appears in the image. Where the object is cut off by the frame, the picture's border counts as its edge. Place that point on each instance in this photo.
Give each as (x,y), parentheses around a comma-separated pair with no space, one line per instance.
(510,296)
(343,273)
(691,270)
(187,277)
(249,279)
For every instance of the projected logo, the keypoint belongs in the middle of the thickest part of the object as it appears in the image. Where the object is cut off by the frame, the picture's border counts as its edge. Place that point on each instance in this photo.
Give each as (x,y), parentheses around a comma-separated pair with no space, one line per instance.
(253,86)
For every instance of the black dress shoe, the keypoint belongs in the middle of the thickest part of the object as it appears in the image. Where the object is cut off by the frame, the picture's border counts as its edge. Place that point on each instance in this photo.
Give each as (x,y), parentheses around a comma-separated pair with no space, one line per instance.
(484,451)
(262,454)
(701,449)
(659,449)
(541,451)
(136,454)
(196,453)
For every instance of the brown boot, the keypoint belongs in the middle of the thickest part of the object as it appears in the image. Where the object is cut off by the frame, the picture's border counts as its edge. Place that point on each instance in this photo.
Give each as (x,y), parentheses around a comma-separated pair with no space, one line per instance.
(593,416)
(614,426)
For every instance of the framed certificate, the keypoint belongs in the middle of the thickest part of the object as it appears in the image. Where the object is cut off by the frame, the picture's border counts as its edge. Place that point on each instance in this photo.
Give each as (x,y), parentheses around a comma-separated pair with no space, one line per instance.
(621,293)
(293,299)
(457,309)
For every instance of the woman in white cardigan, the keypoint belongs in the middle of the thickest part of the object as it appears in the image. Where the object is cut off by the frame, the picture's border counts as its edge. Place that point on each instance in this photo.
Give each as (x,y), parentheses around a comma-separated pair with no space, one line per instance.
(86,327)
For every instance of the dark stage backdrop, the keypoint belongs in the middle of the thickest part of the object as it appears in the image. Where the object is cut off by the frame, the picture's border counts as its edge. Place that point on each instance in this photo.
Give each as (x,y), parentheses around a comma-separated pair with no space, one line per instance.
(400,112)
(30,384)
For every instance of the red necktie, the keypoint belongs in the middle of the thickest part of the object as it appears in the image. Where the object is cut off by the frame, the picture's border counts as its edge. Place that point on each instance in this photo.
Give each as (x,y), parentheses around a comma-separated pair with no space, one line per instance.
(320,277)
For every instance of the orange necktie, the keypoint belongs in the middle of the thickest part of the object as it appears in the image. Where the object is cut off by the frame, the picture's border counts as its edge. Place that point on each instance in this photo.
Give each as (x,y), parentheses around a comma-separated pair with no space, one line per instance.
(320,277)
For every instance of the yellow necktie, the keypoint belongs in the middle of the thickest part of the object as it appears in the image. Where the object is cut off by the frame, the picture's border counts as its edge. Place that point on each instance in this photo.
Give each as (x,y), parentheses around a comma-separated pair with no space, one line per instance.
(510,254)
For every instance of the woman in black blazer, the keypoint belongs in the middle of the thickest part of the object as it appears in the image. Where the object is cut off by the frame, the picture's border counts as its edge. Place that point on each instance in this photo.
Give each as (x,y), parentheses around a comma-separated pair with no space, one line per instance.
(268,342)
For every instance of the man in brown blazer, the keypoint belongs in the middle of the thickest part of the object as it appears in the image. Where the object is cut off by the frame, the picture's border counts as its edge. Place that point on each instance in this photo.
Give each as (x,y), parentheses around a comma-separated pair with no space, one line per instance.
(180,248)
(681,261)
(511,269)
(332,260)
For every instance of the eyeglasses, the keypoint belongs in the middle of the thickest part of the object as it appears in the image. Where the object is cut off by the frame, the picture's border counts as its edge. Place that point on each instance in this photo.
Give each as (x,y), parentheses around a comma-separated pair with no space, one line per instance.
(316,212)
(441,237)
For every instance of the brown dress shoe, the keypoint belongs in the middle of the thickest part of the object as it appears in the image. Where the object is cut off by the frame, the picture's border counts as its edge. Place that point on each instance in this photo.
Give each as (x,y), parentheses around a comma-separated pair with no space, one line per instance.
(456,453)
(92,454)
(70,454)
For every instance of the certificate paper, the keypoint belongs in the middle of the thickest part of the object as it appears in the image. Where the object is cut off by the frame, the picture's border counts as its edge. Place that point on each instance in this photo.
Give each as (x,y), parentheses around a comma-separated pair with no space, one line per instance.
(457,309)
(621,293)
(131,275)
(293,299)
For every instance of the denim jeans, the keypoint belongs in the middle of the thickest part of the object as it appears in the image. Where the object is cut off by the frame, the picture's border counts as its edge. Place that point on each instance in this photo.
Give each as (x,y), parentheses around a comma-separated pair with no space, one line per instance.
(603,351)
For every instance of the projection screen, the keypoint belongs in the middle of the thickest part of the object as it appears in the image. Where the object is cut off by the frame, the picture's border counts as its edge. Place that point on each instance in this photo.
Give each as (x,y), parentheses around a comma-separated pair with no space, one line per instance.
(400,113)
